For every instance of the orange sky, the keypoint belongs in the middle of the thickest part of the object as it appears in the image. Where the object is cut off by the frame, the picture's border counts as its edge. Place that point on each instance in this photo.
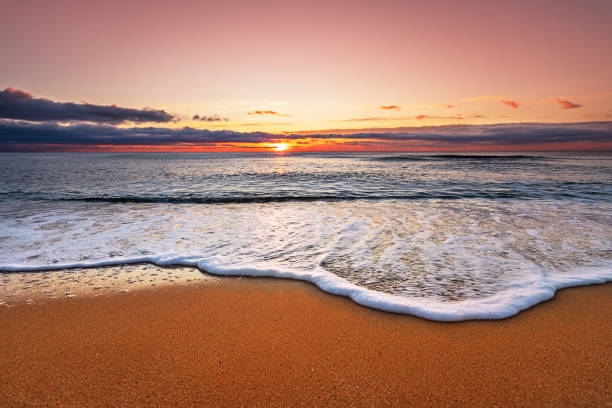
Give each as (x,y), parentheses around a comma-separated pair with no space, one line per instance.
(285,66)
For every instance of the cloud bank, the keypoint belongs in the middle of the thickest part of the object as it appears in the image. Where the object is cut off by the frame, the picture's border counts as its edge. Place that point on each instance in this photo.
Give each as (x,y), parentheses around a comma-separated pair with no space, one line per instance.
(16,135)
(391,107)
(21,105)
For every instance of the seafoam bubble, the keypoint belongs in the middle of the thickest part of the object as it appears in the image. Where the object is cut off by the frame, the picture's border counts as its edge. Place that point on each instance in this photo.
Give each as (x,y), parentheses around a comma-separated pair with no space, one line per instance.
(438,259)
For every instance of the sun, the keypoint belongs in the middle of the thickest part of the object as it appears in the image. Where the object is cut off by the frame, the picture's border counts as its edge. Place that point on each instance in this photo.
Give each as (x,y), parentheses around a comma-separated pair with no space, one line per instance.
(280,147)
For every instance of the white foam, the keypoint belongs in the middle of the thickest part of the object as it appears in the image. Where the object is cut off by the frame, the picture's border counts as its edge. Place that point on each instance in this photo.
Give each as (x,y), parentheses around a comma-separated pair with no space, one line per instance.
(436,260)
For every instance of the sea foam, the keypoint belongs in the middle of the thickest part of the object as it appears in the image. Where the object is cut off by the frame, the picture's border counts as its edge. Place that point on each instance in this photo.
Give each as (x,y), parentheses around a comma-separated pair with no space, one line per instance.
(469,259)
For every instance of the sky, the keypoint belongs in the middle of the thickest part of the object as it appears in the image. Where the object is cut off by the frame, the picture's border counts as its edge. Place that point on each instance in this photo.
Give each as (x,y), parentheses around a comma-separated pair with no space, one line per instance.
(315,75)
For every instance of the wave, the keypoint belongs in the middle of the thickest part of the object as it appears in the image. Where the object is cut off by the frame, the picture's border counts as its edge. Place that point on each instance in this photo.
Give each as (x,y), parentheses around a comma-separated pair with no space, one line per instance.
(518,194)
(566,190)
(472,259)
(470,157)
(283,199)
(499,306)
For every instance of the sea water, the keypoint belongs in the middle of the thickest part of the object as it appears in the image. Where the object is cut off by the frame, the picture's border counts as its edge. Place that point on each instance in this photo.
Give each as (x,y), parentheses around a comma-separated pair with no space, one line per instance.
(447,236)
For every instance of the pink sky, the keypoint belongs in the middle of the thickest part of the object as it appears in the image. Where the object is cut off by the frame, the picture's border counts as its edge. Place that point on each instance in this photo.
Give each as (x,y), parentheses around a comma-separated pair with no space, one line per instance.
(317,64)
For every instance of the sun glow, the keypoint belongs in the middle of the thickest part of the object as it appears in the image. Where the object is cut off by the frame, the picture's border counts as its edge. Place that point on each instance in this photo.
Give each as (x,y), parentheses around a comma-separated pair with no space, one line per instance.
(280,147)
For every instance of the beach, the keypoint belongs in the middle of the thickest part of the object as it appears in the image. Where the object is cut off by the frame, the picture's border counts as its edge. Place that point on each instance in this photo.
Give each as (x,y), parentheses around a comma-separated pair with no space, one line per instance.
(306,204)
(273,342)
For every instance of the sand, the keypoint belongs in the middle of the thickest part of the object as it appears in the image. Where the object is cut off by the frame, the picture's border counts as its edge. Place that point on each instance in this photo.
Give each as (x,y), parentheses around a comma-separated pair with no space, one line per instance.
(265,342)
(44,286)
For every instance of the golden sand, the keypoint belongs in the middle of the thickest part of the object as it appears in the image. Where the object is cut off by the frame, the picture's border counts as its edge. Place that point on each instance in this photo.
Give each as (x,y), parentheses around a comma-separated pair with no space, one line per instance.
(265,342)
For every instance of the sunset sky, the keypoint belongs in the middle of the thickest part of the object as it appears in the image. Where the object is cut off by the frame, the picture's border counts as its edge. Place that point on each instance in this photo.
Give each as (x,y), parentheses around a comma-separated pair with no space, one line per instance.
(315,75)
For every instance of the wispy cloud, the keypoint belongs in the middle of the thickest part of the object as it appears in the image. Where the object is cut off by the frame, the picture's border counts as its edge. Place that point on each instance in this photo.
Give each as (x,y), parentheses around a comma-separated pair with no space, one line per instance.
(368,119)
(391,107)
(212,118)
(512,104)
(267,112)
(565,104)
(21,105)
(421,117)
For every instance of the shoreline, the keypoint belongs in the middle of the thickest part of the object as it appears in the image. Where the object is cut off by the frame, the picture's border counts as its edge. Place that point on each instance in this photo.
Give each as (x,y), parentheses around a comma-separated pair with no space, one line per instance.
(277,342)
(505,304)
(52,284)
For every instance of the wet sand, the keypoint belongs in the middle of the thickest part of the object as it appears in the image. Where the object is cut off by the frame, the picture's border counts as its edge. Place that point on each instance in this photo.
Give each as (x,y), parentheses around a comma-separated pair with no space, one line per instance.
(44,286)
(265,342)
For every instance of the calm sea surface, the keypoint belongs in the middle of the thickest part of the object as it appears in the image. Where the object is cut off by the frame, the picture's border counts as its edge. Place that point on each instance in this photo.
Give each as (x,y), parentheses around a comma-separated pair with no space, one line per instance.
(442,236)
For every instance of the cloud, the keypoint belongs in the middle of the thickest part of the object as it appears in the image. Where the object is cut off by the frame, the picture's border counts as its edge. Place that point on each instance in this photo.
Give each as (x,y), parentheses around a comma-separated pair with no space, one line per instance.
(395,118)
(391,107)
(12,132)
(20,105)
(27,136)
(366,143)
(421,117)
(267,112)
(565,104)
(18,93)
(449,106)
(213,118)
(368,119)
(510,103)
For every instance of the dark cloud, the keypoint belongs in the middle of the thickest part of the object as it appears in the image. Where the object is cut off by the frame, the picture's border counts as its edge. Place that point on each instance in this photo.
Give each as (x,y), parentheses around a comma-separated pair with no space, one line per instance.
(366,143)
(84,134)
(512,104)
(267,112)
(25,136)
(565,104)
(391,107)
(213,118)
(495,134)
(20,105)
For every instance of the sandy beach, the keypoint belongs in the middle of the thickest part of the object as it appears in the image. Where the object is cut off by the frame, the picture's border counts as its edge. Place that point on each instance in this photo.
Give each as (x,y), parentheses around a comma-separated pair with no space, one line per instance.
(266,342)
(306,204)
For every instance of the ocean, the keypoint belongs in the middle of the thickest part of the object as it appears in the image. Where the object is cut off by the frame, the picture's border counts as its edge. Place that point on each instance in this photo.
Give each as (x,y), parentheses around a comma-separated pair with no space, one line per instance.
(443,236)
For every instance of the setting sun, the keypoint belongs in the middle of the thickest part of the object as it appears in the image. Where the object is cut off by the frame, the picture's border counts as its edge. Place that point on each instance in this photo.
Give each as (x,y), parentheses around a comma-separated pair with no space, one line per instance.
(281,147)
